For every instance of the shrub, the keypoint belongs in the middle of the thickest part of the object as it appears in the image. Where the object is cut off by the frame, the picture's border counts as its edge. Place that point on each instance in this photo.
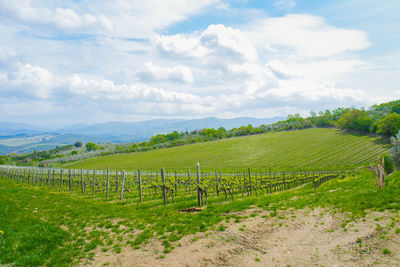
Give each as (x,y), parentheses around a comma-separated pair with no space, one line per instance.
(91,146)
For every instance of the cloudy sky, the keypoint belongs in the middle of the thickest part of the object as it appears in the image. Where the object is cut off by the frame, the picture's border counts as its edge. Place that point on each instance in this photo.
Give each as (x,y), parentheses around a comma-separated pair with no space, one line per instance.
(84,61)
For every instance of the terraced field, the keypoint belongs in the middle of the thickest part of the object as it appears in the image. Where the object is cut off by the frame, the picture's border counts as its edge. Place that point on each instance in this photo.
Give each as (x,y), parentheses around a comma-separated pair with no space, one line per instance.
(309,149)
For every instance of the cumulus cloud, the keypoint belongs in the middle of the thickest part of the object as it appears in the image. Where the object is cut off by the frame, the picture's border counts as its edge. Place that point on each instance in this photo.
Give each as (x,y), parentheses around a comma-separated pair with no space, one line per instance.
(307,35)
(180,74)
(211,45)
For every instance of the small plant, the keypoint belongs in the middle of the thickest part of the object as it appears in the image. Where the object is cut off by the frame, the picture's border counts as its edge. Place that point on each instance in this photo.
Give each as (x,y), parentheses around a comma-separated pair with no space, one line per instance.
(257,259)
(386,251)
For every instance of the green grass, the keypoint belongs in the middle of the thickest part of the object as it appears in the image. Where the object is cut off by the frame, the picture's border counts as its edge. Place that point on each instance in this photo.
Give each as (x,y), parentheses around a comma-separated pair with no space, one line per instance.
(59,229)
(309,149)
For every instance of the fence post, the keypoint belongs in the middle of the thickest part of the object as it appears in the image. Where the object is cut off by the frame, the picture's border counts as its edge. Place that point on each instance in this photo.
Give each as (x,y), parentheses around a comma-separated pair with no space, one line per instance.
(198,184)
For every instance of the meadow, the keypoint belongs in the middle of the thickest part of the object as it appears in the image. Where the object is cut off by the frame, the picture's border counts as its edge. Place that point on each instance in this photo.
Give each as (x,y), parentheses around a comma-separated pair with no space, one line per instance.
(310,149)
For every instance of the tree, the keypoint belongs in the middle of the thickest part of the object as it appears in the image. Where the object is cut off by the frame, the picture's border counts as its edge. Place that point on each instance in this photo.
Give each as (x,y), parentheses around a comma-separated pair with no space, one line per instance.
(78,144)
(357,120)
(396,108)
(91,146)
(395,149)
(389,125)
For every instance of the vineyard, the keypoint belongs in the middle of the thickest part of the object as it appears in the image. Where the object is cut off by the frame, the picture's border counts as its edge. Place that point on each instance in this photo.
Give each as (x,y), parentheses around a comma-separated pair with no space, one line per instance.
(310,149)
(167,186)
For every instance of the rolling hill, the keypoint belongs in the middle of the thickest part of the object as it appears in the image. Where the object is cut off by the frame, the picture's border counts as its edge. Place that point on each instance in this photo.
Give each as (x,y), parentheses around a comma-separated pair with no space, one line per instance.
(303,149)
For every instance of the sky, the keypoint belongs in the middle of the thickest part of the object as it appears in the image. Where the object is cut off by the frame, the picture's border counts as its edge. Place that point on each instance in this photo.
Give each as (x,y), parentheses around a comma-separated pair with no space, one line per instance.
(85,61)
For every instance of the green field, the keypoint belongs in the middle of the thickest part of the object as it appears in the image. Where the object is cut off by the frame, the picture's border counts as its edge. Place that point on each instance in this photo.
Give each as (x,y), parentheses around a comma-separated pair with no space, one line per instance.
(309,149)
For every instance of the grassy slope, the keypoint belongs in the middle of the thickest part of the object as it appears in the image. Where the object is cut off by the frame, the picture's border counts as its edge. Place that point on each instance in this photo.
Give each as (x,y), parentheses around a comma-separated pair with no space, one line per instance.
(304,149)
(57,229)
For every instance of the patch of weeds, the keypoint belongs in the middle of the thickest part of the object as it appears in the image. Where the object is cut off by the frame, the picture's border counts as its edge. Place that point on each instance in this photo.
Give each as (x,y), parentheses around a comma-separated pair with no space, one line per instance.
(257,259)
(221,228)
(386,251)
(194,239)
(253,215)
(117,248)
(397,231)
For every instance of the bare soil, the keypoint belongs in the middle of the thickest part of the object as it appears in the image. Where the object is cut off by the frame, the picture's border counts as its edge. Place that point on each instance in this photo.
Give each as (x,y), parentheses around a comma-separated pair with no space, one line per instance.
(291,238)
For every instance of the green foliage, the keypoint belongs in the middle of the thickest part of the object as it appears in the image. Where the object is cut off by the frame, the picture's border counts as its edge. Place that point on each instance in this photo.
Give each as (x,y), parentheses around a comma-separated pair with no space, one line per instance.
(356,120)
(305,149)
(389,163)
(395,150)
(78,144)
(389,125)
(4,160)
(396,108)
(74,152)
(91,146)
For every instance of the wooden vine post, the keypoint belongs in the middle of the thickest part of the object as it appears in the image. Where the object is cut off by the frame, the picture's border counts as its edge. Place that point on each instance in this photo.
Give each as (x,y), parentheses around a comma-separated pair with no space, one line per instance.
(164,193)
(123,185)
(140,185)
(198,185)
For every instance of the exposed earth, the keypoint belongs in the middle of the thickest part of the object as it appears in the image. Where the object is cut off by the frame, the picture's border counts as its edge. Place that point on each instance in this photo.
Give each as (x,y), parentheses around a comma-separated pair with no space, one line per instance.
(317,237)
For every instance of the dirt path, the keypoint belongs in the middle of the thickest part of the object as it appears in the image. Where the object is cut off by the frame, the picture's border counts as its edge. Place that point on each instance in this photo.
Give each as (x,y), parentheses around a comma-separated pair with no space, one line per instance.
(291,238)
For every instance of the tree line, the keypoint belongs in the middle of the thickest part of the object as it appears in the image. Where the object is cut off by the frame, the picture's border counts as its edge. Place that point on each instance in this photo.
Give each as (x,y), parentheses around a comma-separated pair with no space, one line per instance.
(383,119)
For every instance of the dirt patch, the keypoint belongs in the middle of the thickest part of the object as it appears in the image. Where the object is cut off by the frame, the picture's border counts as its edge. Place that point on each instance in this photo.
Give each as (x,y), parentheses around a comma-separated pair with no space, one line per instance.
(293,237)
(191,209)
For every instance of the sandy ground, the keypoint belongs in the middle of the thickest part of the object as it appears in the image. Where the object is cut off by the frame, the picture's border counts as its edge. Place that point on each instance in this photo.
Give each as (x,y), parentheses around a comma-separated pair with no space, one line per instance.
(292,238)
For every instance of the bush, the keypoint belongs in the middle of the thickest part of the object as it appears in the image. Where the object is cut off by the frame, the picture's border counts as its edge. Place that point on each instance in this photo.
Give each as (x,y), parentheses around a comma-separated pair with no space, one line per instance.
(389,164)
(91,146)
(74,152)
(78,144)
(389,125)
(395,150)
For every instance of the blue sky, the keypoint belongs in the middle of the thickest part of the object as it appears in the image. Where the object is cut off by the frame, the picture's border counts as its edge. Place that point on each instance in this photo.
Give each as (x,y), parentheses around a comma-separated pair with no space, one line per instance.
(67,62)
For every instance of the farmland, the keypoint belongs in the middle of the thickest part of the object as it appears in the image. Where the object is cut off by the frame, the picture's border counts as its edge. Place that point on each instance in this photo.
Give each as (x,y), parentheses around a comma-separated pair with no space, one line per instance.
(45,227)
(309,149)
(122,216)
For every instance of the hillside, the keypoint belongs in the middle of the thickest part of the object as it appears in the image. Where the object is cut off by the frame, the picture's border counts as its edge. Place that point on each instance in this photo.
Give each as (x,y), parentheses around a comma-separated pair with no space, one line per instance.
(302,149)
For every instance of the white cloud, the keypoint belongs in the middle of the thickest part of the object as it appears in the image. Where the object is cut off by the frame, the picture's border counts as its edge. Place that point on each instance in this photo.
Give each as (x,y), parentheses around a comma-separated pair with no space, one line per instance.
(60,18)
(210,46)
(151,72)
(38,79)
(286,4)
(120,18)
(306,35)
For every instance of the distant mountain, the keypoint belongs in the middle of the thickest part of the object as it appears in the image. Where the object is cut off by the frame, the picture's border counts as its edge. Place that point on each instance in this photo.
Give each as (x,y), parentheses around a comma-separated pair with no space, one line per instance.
(12,129)
(19,138)
(138,131)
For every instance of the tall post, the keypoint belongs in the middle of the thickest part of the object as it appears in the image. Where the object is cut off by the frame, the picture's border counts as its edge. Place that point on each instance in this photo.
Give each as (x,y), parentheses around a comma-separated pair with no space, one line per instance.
(93,181)
(70,180)
(198,184)
(108,182)
(251,193)
(163,187)
(82,182)
(123,185)
(140,185)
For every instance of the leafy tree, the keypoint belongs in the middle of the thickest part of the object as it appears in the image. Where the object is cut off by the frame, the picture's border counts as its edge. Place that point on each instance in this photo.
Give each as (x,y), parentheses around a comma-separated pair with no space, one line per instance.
(91,146)
(396,108)
(389,125)
(3,160)
(78,144)
(357,120)
(395,149)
